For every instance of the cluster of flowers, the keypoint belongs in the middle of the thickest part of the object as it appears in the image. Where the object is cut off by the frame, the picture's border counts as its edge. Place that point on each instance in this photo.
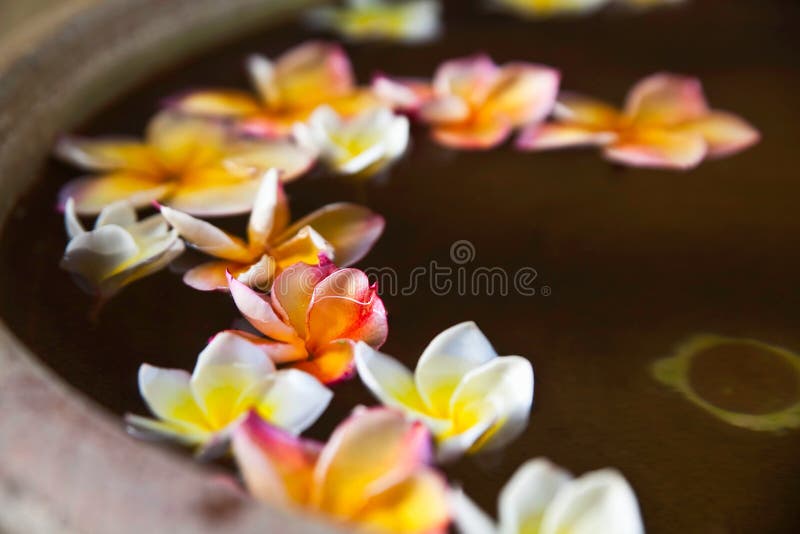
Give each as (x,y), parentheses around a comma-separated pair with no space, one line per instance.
(216,153)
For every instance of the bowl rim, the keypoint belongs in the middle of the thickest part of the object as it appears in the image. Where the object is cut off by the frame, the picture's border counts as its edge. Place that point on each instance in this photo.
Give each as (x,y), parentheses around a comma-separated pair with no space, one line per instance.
(68,465)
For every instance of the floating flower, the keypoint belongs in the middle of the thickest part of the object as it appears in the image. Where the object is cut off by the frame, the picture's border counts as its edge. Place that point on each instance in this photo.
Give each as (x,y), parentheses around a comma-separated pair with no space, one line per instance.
(119,250)
(545,8)
(542,498)
(362,20)
(364,144)
(342,232)
(314,316)
(288,90)
(743,382)
(231,377)
(468,396)
(372,473)
(475,104)
(666,123)
(194,165)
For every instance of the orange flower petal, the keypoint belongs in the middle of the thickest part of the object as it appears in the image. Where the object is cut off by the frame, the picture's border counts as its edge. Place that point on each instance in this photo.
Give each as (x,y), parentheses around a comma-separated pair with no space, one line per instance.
(331,363)
(372,451)
(724,132)
(214,194)
(417,505)
(665,100)
(313,73)
(257,310)
(182,142)
(276,466)
(224,103)
(209,276)
(351,230)
(522,93)
(91,195)
(659,148)
(345,306)
(277,351)
(554,135)
(585,111)
(305,246)
(473,136)
(445,109)
(470,78)
(108,154)
(292,291)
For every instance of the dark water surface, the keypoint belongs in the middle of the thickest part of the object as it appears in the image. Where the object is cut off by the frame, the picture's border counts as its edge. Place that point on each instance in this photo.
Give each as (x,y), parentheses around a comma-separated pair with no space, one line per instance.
(636,261)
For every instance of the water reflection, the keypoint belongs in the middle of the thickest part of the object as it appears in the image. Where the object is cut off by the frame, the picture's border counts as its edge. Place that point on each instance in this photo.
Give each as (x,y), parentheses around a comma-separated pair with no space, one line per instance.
(743,382)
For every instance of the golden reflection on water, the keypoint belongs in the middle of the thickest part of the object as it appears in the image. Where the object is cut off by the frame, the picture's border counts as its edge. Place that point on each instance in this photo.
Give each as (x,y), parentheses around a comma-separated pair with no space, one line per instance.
(744,382)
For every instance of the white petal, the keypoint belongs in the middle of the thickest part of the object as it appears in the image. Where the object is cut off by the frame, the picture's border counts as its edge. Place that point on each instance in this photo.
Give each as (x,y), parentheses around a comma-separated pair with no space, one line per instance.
(447,359)
(168,395)
(468,518)
(502,387)
(119,213)
(600,501)
(362,160)
(262,218)
(228,369)
(524,498)
(262,75)
(396,137)
(454,446)
(206,237)
(71,221)
(97,254)
(294,400)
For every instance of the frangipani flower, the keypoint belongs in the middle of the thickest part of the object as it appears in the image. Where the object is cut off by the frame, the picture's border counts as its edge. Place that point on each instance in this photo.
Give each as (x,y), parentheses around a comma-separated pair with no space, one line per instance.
(363,144)
(666,123)
(475,104)
(468,396)
(411,21)
(314,316)
(194,165)
(542,498)
(288,90)
(546,8)
(119,250)
(372,473)
(342,232)
(231,378)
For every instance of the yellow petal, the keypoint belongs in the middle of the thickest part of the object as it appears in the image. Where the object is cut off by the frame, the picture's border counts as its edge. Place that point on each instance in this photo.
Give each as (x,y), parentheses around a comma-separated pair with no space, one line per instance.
(91,195)
(182,143)
(168,395)
(313,73)
(724,132)
(214,193)
(210,276)
(417,505)
(306,246)
(665,100)
(217,104)
(522,93)
(469,136)
(330,363)
(470,78)
(366,455)
(580,110)
(293,400)
(253,158)
(659,148)
(108,155)
(226,379)
(555,135)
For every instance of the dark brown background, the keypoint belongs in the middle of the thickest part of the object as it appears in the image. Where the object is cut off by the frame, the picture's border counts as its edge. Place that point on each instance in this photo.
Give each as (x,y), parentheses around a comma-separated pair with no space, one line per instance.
(637,260)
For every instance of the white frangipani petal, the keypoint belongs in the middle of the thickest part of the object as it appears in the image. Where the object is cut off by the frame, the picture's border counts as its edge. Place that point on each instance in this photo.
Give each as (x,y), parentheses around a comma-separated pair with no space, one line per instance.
(262,218)
(294,400)
(466,395)
(71,221)
(468,518)
(206,237)
(526,496)
(447,359)
(262,75)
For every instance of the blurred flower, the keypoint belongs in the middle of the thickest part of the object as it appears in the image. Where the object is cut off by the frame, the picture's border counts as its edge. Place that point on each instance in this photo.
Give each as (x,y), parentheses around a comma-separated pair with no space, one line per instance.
(192,164)
(364,144)
(372,473)
(342,232)
(475,104)
(542,498)
(363,20)
(468,396)
(666,123)
(314,316)
(288,90)
(232,377)
(119,250)
(545,8)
